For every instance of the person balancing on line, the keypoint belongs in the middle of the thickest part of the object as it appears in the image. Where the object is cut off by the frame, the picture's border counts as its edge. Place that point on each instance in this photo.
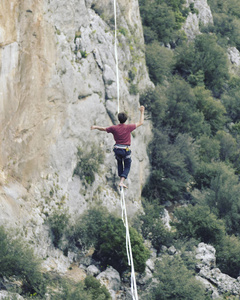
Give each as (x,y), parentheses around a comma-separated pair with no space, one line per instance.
(122,137)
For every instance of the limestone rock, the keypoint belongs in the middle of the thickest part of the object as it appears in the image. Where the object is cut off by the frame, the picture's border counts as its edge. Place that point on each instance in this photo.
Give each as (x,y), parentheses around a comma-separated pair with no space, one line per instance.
(111,279)
(212,277)
(57,78)
(209,287)
(93,270)
(224,282)
(204,16)
(10,296)
(206,254)
(234,56)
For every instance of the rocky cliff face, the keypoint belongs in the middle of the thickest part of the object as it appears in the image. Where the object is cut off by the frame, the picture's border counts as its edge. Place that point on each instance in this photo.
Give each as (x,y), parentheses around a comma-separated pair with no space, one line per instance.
(57,78)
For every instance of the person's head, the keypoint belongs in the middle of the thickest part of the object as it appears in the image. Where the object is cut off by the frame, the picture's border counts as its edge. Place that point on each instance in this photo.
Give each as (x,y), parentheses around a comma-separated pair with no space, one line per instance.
(122,117)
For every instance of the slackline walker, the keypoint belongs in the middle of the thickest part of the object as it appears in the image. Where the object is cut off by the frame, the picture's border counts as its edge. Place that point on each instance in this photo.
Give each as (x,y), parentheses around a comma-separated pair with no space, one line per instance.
(122,137)
(124,211)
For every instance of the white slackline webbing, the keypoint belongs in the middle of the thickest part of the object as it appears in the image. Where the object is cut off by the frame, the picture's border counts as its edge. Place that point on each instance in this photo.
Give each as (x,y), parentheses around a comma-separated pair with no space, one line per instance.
(124,211)
(128,247)
(116,54)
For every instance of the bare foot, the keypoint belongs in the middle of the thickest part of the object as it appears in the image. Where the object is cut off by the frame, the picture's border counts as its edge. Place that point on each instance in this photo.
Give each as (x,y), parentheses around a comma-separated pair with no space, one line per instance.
(122,185)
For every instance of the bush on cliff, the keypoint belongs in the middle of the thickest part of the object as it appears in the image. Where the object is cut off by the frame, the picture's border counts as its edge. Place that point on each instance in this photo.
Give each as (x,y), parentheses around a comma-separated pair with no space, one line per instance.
(175,281)
(17,259)
(107,234)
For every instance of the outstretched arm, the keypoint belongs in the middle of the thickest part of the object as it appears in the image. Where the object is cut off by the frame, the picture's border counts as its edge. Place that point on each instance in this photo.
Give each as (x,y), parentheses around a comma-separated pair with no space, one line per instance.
(142,109)
(98,128)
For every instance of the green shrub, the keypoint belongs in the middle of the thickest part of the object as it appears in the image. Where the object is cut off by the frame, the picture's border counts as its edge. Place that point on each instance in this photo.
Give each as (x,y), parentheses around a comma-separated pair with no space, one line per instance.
(155,103)
(175,281)
(133,90)
(213,110)
(59,222)
(227,253)
(87,227)
(88,163)
(171,167)
(206,172)
(94,287)
(107,234)
(199,223)
(164,18)
(18,259)
(90,289)
(183,115)
(209,149)
(153,227)
(159,61)
(230,99)
(207,55)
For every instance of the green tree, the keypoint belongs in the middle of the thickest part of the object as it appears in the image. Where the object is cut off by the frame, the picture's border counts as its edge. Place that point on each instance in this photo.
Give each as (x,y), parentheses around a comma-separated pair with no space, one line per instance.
(209,149)
(183,115)
(230,99)
(175,281)
(212,109)
(199,223)
(223,198)
(18,259)
(204,54)
(96,227)
(228,146)
(155,102)
(111,246)
(164,18)
(159,61)
(228,259)
(153,227)
(169,175)
(89,289)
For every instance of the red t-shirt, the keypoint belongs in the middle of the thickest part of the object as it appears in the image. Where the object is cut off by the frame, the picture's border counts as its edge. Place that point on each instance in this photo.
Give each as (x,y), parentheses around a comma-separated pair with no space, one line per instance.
(122,133)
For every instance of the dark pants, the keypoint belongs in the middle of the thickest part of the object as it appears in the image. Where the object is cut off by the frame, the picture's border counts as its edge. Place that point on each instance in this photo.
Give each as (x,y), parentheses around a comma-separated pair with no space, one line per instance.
(124,160)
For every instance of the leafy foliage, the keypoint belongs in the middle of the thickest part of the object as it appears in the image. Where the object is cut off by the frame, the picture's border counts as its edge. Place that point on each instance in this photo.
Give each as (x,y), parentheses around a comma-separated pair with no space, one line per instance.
(18,259)
(59,222)
(172,167)
(159,61)
(228,257)
(108,235)
(199,223)
(204,55)
(163,18)
(88,163)
(175,281)
(153,227)
(195,112)
(90,289)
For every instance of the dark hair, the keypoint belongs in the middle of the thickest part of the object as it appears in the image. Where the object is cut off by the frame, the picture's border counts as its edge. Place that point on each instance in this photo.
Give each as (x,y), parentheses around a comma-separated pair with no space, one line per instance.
(122,117)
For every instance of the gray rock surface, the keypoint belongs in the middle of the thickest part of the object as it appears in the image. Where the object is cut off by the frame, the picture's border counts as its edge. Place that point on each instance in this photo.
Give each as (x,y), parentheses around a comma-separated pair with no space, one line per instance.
(212,278)
(93,270)
(10,296)
(111,279)
(204,17)
(57,78)
(206,254)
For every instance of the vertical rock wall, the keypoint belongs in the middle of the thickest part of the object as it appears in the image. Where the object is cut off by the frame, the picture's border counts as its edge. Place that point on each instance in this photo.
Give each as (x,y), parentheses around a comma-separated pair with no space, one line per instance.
(57,78)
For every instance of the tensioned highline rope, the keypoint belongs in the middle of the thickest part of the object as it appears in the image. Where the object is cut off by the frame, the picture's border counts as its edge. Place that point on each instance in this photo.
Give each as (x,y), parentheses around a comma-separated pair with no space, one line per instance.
(116,54)
(128,247)
(124,211)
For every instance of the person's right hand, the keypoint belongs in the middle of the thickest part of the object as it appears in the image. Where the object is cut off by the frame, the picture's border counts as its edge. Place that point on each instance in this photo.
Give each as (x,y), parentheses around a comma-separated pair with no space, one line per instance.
(142,108)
